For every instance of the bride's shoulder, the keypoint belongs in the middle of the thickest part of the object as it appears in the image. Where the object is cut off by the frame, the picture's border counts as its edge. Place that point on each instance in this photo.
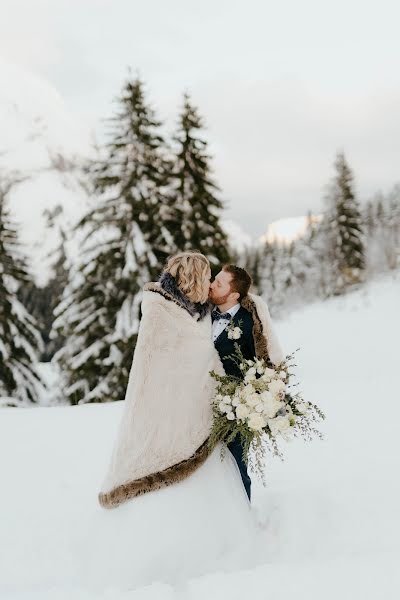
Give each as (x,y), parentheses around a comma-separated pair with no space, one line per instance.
(155,297)
(152,294)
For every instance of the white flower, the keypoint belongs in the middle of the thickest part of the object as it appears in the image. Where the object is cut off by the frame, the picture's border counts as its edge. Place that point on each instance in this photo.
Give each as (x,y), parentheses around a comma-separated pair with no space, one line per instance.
(260,370)
(302,407)
(260,407)
(270,404)
(231,416)
(242,411)
(234,333)
(279,425)
(256,422)
(276,386)
(226,399)
(249,378)
(224,408)
(253,399)
(235,401)
(267,396)
(250,362)
(282,375)
(250,375)
(270,372)
(242,366)
(247,390)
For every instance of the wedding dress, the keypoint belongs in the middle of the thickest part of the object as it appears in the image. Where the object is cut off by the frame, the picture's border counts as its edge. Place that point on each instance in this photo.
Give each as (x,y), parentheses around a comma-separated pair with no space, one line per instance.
(202,524)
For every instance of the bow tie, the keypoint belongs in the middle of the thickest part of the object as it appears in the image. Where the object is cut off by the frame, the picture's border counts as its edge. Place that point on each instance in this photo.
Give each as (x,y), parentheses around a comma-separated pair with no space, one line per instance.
(216,315)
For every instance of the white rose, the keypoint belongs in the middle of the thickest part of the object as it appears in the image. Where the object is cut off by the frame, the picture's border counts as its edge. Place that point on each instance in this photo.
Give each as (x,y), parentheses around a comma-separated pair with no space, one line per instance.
(231,416)
(270,372)
(253,399)
(256,422)
(247,390)
(267,396)
(276,386)
(271,404)
(278,425)
(249,377)
(242,411)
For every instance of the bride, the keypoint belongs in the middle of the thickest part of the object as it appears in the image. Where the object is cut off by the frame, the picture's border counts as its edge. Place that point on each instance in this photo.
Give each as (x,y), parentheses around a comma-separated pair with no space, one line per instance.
(178,510)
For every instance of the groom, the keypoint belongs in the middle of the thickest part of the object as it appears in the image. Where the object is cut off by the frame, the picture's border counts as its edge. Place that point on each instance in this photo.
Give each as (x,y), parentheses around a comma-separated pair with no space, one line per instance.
(229,287)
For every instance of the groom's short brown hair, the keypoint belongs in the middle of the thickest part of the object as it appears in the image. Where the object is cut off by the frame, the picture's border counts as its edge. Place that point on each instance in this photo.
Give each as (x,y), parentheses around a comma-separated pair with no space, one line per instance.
(241,280)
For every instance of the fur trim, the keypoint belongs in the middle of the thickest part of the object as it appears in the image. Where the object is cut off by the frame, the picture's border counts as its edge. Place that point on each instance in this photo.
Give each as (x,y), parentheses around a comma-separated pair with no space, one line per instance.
(260,339)
(155,481)
(168,288)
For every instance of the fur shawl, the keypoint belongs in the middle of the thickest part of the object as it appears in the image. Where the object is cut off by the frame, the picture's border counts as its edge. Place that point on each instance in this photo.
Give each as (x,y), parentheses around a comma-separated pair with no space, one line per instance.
(167,416)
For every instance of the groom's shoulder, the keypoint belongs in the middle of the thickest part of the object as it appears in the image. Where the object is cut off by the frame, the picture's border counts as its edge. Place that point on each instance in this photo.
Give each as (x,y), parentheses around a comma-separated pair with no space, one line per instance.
(245,316)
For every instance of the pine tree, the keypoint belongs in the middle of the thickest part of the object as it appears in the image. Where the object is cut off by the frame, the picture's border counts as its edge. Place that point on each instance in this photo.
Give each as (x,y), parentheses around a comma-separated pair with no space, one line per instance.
(273,277)
(346,228)
(124,243)
(20,341)
(251,261)
(198,225)
(393,225)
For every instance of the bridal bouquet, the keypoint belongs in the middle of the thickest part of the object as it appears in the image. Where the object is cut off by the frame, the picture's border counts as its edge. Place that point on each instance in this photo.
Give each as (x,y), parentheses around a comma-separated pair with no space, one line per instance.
(262,408)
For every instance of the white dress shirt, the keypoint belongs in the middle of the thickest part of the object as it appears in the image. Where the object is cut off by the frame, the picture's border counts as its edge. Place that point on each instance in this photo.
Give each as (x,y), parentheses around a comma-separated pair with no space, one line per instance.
(219,326)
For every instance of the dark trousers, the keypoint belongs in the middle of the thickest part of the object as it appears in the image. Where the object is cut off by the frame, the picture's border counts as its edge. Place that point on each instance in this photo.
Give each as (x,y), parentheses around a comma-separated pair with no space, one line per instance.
(236,449)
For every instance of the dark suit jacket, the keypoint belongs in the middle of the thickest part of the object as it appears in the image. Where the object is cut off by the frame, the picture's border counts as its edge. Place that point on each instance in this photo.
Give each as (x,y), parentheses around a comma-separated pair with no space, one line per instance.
(226,347)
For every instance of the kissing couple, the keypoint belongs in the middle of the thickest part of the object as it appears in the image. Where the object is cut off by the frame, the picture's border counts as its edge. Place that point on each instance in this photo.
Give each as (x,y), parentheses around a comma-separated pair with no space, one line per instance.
(161,464)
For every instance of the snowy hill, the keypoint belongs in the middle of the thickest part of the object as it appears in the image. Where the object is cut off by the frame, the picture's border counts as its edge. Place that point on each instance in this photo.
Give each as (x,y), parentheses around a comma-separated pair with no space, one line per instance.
(44,144)
(330,511)
(287,230)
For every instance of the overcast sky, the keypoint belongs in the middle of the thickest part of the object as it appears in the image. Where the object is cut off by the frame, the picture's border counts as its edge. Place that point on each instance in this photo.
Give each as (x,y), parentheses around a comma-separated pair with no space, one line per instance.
(282,85)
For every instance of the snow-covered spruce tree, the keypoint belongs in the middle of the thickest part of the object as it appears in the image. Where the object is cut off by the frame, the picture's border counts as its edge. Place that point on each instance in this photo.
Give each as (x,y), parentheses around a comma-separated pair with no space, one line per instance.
(393,226)
(124,243)
(251,261)
(382,218)
(197,224)
(20,340)
(274,272)
(345,226)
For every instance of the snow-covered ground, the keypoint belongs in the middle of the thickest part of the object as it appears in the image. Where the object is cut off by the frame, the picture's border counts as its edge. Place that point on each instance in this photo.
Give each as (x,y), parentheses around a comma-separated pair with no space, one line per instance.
(330,510)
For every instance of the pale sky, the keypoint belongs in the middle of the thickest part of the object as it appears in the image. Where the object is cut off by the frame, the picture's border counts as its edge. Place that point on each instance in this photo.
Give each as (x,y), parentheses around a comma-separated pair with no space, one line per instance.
(282,85)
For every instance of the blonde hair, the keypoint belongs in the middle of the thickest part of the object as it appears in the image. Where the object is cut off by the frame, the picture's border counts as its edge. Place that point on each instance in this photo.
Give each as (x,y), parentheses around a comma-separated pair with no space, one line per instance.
(191,271)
